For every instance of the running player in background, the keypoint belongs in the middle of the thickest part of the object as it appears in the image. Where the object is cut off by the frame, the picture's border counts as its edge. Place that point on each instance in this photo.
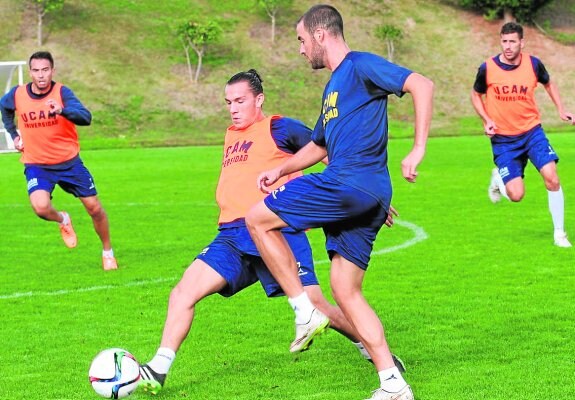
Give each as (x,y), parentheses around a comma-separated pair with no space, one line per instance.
(350,199)
(504,97)
(231,262)
(48,113)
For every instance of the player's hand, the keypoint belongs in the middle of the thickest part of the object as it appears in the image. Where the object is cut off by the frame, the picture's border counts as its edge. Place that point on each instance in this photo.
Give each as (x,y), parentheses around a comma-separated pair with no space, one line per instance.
(410,163)
(390,214)
(266,179)
(489,127)
(55,108)
(567,116)
(19,144)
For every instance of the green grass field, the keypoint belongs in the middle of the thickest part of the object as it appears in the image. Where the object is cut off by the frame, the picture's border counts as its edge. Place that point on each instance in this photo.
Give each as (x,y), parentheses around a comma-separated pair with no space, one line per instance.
(481,309)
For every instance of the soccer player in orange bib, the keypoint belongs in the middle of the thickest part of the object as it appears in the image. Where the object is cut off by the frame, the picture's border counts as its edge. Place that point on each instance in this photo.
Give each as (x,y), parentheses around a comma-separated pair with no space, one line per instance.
(48,113)
(231,262)
(504,97)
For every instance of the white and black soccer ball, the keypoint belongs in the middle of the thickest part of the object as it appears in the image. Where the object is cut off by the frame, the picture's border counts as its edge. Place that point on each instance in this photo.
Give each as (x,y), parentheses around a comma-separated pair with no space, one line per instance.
(114,373)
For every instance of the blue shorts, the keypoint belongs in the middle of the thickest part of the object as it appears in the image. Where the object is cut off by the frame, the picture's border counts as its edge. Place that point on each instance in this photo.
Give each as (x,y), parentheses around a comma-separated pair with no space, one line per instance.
(234,256)
(510,153)
(72,177)
(350,218)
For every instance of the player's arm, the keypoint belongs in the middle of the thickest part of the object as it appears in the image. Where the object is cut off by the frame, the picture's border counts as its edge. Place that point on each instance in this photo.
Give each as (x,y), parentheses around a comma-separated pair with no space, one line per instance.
(489,126)
(8,110)
(551,89)
(477,93)
(73,110)
(309,155)
(553,92)
(421,90)
(291,135)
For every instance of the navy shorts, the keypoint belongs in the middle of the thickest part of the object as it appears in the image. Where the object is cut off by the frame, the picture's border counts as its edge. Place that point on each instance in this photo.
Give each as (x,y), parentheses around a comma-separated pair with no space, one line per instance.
(350,218)
(234,256)
(74,178)
(510,153)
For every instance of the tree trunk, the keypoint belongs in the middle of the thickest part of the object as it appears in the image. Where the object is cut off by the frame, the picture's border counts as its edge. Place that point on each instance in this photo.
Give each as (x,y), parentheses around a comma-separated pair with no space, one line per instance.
(39,31)
(508,15)
(190,73)
(199,67)
(273,28)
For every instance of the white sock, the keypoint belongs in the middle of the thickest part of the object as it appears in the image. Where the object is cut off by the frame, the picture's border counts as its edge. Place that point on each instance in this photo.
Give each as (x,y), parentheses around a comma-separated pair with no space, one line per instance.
(302,307)
(65,218)
(362,350)
(501,186)
(108,253)
(391,380)
(557,208)
(163,360)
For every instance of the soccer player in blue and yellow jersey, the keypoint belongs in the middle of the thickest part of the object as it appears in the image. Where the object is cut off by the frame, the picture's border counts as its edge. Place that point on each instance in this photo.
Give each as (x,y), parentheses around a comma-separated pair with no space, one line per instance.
(47,114)
(504,97)
(231,262)
(350,199)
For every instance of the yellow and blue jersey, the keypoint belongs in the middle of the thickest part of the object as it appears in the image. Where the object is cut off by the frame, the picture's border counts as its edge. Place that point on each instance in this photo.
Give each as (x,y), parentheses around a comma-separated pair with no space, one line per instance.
(353,122)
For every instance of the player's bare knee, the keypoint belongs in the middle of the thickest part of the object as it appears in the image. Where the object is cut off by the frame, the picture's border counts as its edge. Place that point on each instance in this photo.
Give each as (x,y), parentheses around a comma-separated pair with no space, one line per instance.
(553,184)
(516,196)
(96,211)
(340,294)
(41,210)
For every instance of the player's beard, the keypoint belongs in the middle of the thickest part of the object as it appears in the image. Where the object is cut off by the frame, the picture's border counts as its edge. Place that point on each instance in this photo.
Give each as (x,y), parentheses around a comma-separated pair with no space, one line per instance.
(316,58)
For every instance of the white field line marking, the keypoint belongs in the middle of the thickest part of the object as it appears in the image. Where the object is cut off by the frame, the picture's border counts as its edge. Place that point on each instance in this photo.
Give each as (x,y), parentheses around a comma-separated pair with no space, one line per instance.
(83,290)
(419,236)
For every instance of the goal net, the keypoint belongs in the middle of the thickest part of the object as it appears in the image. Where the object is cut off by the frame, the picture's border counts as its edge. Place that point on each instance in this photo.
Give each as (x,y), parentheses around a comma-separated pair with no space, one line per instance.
(11,74)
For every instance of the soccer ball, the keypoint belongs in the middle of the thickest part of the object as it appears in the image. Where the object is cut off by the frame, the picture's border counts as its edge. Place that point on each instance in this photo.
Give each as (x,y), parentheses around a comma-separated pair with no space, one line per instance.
(114,373)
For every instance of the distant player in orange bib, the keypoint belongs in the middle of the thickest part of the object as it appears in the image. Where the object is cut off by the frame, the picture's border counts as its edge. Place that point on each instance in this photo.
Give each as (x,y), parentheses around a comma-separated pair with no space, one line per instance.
(47,114)
(504,97)
(231,262)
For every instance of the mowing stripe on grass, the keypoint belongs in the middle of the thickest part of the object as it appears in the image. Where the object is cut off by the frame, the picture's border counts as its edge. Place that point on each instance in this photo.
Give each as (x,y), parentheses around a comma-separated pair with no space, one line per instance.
(419,235)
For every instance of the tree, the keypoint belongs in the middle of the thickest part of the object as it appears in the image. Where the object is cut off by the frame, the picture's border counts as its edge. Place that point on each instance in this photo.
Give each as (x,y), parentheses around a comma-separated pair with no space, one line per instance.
(272,7)
(43,7)
(197,35)
(522,10)
(389,34)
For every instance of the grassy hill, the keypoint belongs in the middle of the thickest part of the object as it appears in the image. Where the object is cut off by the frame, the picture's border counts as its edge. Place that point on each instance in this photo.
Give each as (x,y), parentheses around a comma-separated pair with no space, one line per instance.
(124,62)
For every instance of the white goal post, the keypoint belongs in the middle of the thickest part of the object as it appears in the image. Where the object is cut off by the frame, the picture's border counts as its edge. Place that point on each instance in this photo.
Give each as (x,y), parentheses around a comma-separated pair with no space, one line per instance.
(11,74)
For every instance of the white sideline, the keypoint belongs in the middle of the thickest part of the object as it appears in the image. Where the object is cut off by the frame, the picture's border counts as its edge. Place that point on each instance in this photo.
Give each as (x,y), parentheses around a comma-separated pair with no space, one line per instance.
(419,236)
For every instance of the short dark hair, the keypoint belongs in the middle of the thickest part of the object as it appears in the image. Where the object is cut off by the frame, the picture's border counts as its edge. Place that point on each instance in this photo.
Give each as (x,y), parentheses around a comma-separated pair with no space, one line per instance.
(512,27)
(253,79)
(41,55)
(323,16)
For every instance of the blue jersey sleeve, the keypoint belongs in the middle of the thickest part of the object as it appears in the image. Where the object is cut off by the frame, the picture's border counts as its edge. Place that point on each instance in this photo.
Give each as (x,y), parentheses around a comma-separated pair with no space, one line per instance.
(318,136)
(8,110)
(290,134)
(480,85)
(382,74)
(540,71)
(73,110)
